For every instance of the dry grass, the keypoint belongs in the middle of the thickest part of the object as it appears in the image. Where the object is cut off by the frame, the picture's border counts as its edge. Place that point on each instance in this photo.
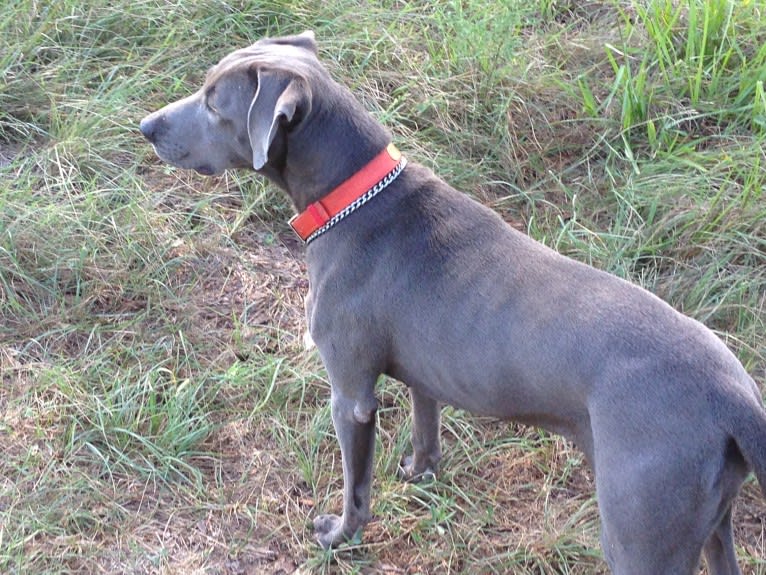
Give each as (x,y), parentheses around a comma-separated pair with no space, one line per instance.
(158,413)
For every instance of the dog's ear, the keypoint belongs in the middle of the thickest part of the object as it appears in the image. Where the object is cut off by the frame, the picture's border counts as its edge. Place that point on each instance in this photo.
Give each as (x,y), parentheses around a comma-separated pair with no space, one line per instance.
(306,40)
(280,97)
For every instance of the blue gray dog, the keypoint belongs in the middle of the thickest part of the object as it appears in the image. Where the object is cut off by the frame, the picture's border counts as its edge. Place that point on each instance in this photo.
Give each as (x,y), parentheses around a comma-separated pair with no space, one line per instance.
(428,286)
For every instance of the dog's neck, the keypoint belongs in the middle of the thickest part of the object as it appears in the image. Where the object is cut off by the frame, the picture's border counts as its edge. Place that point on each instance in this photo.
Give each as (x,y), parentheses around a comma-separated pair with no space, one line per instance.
(353,193)
(337,139)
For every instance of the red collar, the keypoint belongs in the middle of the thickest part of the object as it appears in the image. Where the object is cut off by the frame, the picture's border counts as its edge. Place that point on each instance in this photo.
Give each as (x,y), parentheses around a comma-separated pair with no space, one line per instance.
(320,216)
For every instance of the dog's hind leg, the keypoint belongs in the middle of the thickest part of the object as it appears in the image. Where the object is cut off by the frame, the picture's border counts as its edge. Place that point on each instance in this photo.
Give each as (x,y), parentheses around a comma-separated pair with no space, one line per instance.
(653,520)
(724,482)
(719,551)
(646,533)
(426,451)
(353,415)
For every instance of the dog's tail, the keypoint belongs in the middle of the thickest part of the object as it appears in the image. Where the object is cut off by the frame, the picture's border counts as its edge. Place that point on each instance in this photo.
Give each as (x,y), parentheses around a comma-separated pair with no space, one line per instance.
(744,419)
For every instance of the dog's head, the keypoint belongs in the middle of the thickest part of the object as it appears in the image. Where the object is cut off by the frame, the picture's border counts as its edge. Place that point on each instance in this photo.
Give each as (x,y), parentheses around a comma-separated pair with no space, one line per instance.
(242,114)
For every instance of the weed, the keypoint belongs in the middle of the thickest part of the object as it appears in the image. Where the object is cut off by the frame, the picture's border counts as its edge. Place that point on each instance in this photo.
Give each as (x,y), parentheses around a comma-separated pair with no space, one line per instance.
(159,414)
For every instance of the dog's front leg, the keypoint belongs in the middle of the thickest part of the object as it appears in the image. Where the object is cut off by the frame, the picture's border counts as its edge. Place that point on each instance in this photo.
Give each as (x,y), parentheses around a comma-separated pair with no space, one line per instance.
(426,451)
(354,420)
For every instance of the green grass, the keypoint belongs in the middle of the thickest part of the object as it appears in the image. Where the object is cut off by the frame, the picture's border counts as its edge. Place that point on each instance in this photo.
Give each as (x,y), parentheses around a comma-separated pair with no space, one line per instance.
(157,411)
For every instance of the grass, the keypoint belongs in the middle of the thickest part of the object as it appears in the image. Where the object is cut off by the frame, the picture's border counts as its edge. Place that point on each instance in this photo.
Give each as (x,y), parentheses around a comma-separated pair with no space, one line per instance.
(158,412)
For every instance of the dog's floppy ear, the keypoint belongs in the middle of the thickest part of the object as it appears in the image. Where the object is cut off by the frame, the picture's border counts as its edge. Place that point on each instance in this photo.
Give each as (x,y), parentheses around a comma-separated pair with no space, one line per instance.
(280,97)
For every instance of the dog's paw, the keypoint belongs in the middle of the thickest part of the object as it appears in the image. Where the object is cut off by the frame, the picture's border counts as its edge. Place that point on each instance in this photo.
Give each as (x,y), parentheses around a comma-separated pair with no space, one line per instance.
(408,472)
(329,530)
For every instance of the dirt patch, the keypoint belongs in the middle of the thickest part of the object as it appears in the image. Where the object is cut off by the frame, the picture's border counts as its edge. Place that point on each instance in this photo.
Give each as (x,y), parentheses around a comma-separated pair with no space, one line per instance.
(242,291)
(251,299)
(8,153)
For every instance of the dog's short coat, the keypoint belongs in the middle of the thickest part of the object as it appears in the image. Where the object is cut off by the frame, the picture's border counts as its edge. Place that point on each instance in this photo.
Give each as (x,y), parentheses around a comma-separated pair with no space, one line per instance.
(435,290)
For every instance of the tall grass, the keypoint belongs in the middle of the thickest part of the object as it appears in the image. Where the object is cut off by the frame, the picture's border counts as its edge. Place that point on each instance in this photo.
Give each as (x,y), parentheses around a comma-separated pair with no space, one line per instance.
(157,411)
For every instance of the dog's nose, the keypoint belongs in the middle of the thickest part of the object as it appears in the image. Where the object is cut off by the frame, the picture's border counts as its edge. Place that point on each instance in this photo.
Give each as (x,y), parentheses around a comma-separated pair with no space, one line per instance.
(151,126)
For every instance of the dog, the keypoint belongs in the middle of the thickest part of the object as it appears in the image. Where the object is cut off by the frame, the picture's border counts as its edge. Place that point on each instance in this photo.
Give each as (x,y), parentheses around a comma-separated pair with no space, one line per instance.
(413,279)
